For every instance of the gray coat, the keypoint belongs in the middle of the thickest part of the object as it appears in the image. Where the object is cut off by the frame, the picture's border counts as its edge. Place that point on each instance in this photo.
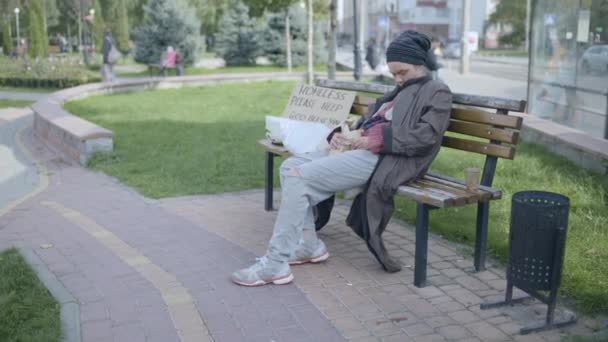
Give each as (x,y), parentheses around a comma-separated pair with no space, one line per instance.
(421,116)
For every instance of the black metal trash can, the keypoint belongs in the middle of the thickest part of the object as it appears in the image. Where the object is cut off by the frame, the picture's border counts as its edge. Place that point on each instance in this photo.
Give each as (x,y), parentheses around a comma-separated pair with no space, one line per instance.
(537,241)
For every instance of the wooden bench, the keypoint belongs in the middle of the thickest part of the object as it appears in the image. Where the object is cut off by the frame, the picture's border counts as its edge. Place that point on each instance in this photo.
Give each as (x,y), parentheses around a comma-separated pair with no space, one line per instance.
(500,134)
(152,67)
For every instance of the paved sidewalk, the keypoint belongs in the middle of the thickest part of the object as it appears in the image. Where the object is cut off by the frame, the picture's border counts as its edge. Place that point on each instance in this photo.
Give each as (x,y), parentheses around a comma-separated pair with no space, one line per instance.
(19,95)
(147,270)
(18,175)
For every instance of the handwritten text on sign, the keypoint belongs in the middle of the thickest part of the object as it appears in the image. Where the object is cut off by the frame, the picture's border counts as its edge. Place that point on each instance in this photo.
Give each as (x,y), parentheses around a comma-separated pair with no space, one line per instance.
(317,104)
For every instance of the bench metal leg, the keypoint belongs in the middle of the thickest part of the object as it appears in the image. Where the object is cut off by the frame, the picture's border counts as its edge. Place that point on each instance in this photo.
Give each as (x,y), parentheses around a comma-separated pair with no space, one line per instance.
(481,235)
(269,173)
(422,237)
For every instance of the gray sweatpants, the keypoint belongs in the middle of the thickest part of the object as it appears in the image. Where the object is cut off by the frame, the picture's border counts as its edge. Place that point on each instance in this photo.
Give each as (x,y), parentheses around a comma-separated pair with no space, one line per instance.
(317,178)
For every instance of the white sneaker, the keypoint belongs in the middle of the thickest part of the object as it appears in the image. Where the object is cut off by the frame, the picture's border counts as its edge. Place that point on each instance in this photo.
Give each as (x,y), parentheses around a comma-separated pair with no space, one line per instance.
(305,253)
(264,271)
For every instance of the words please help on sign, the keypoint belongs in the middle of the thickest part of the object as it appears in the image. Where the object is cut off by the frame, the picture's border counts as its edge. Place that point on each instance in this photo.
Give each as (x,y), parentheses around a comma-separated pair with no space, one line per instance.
(316,104)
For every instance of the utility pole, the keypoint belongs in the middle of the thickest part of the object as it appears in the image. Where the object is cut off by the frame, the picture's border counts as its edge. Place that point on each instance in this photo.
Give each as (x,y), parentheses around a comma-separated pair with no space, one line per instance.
(464,58)
(85,52)
(333,38)
(357,50)
(288,39)
(17,26)
(528,24)
(309,72)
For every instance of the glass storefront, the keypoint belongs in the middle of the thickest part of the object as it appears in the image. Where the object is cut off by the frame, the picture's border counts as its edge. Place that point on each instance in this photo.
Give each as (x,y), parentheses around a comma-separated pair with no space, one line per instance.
(569,64)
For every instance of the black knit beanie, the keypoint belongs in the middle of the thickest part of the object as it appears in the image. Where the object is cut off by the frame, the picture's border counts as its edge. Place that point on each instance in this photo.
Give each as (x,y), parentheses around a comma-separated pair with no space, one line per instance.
(410,47)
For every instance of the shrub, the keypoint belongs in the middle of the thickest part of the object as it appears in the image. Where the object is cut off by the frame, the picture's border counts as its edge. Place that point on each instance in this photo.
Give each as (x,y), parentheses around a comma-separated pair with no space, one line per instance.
(167,23)
(237,38)
(43,74)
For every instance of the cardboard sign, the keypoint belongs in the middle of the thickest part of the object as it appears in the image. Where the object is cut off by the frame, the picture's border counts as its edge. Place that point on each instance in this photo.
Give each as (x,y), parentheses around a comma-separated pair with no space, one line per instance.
(317,104)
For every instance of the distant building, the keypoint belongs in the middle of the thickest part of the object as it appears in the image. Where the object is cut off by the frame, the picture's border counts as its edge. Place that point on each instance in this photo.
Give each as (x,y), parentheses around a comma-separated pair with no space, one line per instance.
(437,18)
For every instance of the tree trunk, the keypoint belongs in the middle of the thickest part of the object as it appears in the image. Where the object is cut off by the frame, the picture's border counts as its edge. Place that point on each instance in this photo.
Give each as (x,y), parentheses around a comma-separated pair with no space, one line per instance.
(332,41)
(288,40)
(309,71)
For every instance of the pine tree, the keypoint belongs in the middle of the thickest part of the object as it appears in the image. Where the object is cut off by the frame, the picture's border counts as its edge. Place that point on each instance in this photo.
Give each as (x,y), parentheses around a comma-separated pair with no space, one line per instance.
(237,38)
(7,42)
(38,43)
(167,23)
(98,26)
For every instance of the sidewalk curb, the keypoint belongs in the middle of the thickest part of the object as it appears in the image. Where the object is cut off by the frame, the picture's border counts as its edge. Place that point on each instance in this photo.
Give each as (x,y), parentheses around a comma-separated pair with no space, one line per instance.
(70,309)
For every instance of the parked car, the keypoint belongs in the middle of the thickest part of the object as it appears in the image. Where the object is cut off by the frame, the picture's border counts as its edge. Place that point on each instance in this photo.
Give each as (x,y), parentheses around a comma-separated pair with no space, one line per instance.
(452,50)
(595,58)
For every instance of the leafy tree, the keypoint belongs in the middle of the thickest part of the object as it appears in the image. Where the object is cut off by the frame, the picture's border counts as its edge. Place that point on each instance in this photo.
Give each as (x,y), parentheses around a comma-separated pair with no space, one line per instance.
(167,23)
(98,26)
(37,39)
(210,12)
(237,38)
(513,14)
(118,22)
(51,14)
(120,26)
(7,42)
(273,38)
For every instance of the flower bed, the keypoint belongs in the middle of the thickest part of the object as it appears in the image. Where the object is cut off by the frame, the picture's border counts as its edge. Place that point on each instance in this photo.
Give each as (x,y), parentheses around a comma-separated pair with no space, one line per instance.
(43,74)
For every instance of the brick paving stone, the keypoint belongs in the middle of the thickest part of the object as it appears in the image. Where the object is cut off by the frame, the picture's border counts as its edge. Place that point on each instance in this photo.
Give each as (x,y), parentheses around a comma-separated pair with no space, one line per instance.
(418,329)
(451,306)
(396,338)
(454,332)
(429,338)
(487,332)
(464,296)
(471,283)
(440,321)
(464,316)
(381,327)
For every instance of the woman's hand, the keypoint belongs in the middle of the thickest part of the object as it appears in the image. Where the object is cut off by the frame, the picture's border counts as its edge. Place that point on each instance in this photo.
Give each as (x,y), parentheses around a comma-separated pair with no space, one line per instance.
(361,143)
(337,141)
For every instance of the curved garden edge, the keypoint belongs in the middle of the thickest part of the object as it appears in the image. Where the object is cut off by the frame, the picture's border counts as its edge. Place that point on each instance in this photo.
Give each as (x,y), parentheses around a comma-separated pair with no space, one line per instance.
(77,139)
(70,309)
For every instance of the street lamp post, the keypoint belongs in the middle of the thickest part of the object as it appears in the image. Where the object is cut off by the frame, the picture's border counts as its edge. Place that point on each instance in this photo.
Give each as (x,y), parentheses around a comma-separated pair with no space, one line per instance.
(17,24)
(357,51)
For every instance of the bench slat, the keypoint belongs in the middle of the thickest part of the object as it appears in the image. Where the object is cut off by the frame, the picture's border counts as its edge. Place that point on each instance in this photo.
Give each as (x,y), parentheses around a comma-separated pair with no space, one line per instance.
(463,196)
(455,199)
(495,193)
(484,131)
(276,149)
(364,100)
(479,147)
(358,109)
(424,197)
(474,196)
(479,116)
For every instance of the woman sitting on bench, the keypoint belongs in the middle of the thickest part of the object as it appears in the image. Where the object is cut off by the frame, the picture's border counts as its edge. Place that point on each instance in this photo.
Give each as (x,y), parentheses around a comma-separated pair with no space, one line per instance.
(401,135)
(168,60)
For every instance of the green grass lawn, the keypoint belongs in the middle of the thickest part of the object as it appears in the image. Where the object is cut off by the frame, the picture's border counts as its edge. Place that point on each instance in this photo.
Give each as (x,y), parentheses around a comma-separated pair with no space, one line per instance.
(229,70)
(15,103)
(28,312)
(28,90)
(203,140)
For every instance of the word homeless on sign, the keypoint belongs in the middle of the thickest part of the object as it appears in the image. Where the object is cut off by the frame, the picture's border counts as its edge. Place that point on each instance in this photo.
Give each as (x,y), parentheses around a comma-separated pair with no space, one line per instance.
(317,104)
